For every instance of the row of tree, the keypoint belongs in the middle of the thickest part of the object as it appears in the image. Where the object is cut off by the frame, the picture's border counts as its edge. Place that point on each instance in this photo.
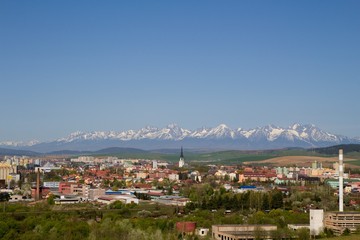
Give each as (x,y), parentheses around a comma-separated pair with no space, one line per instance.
(205,197)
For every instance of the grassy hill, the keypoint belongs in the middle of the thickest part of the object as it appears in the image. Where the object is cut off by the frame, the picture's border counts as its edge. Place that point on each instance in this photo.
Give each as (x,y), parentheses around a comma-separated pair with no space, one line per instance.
(351,151)
(334,150)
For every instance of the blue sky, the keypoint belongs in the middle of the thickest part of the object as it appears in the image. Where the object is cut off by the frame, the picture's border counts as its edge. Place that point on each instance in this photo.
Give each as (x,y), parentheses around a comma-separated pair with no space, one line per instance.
(117,65)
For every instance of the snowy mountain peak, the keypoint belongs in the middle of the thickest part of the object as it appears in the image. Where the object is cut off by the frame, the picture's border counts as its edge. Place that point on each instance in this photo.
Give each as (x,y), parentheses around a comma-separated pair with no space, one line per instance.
(295,132)
(19,143)
(222,126)
(172,125)
(269,136)
(295,126)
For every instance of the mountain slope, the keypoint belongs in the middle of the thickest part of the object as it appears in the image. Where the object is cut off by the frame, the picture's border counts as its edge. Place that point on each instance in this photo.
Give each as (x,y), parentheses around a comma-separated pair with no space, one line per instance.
(17,152)
(219,137)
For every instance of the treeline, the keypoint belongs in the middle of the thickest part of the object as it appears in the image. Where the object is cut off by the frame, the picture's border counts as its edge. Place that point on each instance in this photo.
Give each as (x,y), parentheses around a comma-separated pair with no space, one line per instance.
(334,150)
(75,226)
(204,197)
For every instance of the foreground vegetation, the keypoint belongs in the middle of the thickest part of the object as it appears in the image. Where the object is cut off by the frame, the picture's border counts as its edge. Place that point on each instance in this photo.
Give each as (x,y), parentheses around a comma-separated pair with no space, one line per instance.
(350,237)
(146,221)
(117,221)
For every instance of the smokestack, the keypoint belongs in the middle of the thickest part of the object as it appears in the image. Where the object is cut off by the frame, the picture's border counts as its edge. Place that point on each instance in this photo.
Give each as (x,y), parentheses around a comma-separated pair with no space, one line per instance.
(341,181)
(37,194)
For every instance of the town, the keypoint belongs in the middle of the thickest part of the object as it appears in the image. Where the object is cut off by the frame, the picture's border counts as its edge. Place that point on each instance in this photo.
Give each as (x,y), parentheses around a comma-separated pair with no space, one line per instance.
(266,200)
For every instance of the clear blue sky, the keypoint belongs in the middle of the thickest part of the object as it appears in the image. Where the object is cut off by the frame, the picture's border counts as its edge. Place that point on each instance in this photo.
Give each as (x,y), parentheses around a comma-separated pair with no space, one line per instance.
(117,65)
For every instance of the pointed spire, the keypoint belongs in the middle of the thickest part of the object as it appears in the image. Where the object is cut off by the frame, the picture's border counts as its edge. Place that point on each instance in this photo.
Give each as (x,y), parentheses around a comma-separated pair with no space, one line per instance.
(182,153)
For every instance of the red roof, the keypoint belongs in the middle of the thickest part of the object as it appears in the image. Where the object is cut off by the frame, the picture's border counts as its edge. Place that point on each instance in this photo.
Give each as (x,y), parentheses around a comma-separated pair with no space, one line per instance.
(155,193)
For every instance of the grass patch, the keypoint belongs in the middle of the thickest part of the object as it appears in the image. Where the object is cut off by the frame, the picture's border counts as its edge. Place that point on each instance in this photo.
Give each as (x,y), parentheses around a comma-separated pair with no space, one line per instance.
(351,237)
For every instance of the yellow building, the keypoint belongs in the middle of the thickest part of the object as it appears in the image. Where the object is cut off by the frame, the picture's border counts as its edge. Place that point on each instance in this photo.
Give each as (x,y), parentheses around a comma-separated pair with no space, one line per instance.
(5,171)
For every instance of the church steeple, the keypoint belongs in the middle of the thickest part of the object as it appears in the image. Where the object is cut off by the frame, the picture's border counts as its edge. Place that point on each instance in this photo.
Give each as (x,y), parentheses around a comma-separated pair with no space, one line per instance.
(182,159)
(182,153)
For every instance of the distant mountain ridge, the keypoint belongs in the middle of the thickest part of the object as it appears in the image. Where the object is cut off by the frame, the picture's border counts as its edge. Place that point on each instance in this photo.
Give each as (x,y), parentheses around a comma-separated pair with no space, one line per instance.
(173,136)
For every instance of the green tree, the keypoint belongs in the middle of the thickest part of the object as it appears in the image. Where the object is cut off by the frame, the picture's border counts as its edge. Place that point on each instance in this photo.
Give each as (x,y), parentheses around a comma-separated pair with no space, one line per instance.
(265,202)
(277,199)
(4,197)
(328,232)
(51,200)
(346,232)
(116,205)
(4,228)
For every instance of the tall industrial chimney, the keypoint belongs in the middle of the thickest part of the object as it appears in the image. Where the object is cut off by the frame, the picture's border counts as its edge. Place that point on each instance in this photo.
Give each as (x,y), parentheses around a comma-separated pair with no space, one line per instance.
(341,181)
(37,194)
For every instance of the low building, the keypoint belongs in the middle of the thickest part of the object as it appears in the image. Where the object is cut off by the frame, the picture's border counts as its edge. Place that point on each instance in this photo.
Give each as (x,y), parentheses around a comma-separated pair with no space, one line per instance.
(255,176)
(68,200)
(242,189)
(94,193)
(16,198)
(54,185)
(173,177)
(186,227)
(125,198)
(296,227)
(241,232)
(172,200)
(202,232)
(48,167)
(155,195)
(71,188)
(339,221)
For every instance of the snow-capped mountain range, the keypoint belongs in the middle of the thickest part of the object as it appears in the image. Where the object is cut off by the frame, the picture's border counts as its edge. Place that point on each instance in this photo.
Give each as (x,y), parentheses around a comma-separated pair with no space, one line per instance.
(220,137)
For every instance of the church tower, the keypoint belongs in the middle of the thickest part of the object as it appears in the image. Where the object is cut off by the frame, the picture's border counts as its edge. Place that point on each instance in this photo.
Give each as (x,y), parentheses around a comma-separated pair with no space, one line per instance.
(182,159)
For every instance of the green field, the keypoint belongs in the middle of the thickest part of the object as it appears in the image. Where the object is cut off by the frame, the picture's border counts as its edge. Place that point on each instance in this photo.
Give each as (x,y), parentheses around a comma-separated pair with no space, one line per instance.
(351,237)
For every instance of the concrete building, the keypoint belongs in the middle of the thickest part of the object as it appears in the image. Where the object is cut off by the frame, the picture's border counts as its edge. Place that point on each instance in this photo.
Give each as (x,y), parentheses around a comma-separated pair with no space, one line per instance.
(297,227)
(339,221)
(202,232)
(173,177)
(172,200)
(68,199)
(51,184)
(70,188)
(95,193)
(241,232)
(48,167)
(316,221)
(84,159)
(16,198)
(154,164)
(126,199)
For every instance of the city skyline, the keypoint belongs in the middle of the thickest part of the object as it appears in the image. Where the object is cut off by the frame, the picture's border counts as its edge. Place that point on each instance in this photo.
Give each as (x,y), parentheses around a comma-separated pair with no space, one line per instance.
(86,66)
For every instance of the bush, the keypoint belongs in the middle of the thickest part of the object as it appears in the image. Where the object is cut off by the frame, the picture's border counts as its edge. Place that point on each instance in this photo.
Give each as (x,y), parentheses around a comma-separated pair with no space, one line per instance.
(4,228)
